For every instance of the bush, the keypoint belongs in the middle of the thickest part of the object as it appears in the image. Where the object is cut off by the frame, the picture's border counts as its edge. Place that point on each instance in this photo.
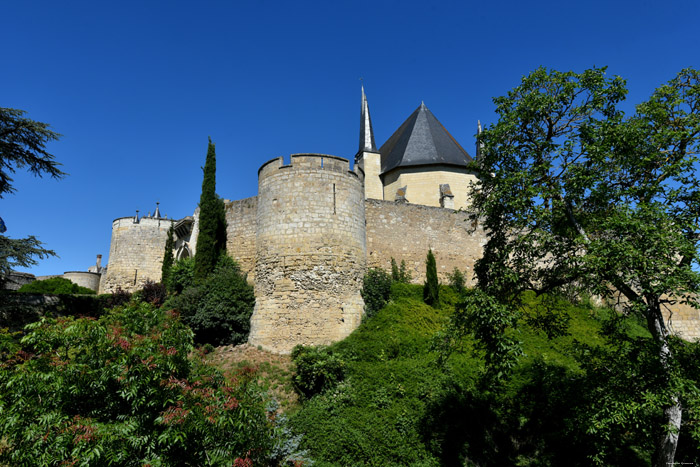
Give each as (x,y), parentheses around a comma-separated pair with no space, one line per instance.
(181,275)
(117,298)
(218,310)
(376,290)
(121,390)
(457,280)
(400,274)
(154,293)
(317,370)
(55,286)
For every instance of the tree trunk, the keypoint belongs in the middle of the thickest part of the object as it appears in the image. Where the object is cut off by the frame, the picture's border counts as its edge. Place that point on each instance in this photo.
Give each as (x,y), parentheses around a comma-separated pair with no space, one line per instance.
(668,439)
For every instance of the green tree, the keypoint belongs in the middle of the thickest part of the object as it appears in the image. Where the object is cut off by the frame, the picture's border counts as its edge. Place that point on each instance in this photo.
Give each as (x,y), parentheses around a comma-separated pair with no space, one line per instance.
(376,290)
(574,194)
(55,285)
(168,258)
(211,240)
(431,288)
(23,145)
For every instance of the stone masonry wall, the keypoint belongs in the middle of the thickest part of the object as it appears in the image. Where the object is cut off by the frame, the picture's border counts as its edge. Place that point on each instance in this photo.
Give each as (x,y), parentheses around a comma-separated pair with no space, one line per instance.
(135,253)
(240,233)
(310,253)
(407,231)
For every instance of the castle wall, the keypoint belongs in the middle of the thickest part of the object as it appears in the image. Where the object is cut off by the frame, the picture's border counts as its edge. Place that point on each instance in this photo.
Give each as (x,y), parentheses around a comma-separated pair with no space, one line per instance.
(135,253)
(423,184)
(406,232)
(91,280)
(240,233)
(310,252)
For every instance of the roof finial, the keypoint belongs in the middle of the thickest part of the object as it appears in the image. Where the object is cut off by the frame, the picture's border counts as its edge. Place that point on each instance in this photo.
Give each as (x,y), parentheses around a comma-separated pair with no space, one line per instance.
(366,132)
(479,144)
(156,214)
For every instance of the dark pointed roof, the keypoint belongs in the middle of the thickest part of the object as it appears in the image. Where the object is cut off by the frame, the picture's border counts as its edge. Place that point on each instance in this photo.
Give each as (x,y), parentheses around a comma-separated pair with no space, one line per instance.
(366,132)
(422,140)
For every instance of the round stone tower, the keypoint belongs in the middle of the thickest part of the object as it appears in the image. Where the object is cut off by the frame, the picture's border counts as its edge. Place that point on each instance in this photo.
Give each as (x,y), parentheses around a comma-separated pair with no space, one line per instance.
(310,252)
(136,252)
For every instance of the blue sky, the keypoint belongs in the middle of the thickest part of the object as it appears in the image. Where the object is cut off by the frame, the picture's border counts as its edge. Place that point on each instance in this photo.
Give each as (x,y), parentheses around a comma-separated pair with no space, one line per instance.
(137,87)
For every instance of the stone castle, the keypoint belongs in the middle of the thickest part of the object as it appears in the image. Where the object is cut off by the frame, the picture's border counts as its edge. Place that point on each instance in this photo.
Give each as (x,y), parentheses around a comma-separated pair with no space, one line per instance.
(315,226)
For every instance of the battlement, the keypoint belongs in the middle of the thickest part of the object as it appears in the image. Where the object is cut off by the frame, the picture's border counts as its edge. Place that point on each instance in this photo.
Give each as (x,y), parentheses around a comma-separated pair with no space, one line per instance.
(324,162)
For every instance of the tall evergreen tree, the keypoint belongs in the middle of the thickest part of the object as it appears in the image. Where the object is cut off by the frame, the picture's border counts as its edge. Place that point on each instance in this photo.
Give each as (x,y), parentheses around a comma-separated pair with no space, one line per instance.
(212,230)
(168,258)
(431,289)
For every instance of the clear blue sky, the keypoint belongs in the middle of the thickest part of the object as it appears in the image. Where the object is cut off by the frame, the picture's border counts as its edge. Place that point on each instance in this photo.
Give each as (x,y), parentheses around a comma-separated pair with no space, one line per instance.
(137,87)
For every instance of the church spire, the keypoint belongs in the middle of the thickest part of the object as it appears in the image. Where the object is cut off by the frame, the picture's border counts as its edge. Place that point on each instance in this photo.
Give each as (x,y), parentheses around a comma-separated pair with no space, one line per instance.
(366,133)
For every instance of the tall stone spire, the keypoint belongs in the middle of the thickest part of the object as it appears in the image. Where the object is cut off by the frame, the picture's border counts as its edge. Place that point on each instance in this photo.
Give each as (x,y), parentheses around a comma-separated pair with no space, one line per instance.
(366,133)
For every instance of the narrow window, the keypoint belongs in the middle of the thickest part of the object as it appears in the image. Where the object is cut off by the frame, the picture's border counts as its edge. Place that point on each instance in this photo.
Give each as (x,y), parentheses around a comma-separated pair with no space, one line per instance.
(334,199)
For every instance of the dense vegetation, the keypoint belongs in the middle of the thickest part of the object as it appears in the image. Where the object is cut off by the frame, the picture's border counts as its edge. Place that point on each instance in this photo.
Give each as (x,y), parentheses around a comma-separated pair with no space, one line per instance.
(123,390)
(389,395)
(55,285)
(218,308)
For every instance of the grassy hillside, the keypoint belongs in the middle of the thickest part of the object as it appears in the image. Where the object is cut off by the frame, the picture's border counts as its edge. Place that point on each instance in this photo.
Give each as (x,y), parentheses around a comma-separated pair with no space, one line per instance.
(387,400)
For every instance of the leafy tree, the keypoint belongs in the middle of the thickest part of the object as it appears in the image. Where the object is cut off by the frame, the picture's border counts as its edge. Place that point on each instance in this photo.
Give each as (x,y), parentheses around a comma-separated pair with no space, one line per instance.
(181,275)
(211,241)
(218,309)
(457,280)
(168,258)
(431,289)
(55,285)
(574,194)
(124,390)
(23,145)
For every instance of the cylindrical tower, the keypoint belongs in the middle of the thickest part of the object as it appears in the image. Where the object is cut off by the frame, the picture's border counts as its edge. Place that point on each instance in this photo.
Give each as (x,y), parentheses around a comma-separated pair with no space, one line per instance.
(310,252)
(135,253)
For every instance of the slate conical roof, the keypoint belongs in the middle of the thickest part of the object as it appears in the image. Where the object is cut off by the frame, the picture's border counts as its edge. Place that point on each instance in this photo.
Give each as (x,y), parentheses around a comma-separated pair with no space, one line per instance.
(422,140)
(366,132)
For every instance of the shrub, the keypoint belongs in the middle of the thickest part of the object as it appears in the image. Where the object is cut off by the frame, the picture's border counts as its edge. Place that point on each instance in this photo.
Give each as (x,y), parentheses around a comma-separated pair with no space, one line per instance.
(121,390)
(154,293)
(457,280)
(376,290)
(431,289)
(218,310)
(55,286)
(181,275)
(400,274)
(317,370)
(117,298)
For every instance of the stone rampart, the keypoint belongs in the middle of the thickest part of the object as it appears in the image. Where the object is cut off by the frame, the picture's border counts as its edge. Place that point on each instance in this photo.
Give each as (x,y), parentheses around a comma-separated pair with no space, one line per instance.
(240,233)
(135,253)
(91,280)
(310,252)
(407,231)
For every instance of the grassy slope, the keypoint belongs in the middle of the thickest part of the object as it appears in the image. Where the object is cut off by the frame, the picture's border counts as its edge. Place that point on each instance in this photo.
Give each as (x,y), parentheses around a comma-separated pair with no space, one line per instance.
(398,406)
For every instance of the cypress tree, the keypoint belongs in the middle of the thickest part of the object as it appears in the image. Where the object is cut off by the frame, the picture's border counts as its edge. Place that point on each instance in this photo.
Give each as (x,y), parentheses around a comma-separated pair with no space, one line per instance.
(211,239)
(168,258)
(431,289)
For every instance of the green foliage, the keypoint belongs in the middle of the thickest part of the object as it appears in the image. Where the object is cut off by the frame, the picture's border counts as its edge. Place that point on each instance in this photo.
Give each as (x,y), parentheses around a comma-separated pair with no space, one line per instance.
(397,406)
(23,145)
(376,289)
(56,286)
(218,310)
(168,258)
(457,280)
(154,293)
(211,241)
(576,195)
(431,289)
(400,274)
(121,390)
(317,369)
(181,275)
